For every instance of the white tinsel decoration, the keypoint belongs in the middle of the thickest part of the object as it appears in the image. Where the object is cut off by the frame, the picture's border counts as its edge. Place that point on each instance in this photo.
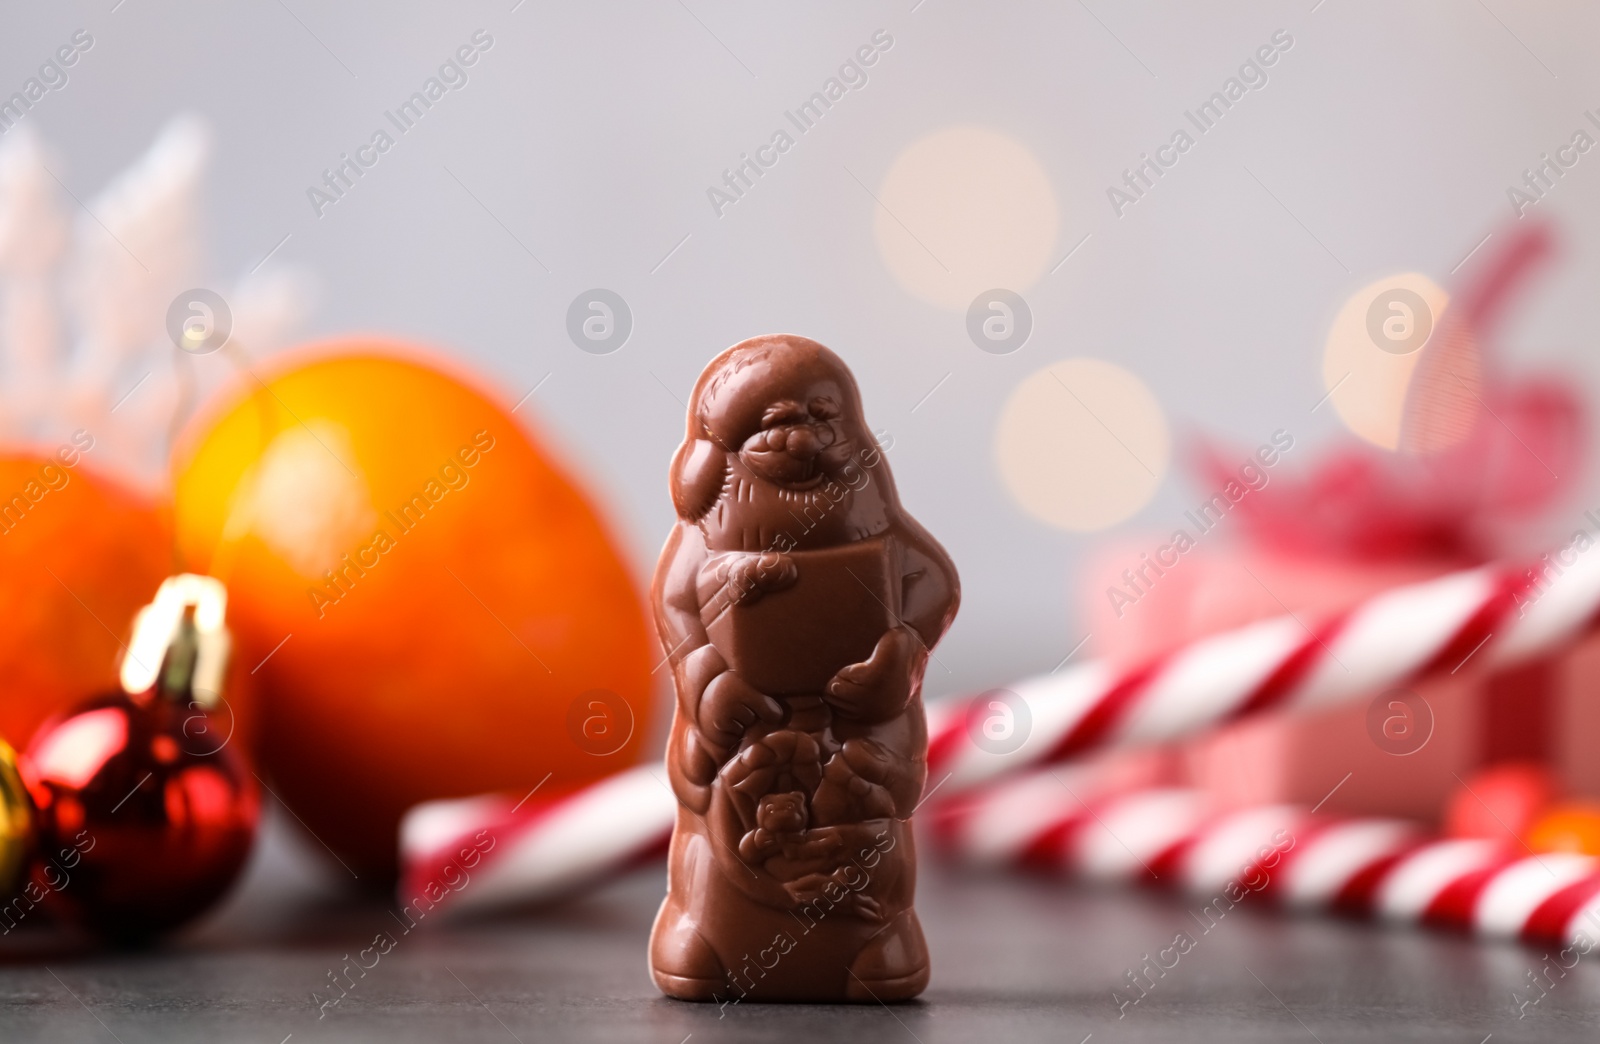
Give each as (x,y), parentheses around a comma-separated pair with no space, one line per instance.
(84,293)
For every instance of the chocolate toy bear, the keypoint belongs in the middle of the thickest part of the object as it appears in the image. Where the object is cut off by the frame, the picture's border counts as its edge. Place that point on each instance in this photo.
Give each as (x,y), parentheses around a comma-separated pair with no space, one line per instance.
(797,603)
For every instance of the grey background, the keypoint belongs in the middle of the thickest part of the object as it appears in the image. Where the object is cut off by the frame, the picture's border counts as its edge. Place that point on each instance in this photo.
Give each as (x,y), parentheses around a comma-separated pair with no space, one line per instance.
(591,132)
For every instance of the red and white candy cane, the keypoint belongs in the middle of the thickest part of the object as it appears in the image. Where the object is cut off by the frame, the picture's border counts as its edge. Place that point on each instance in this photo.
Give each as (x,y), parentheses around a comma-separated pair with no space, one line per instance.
(1374,869)
(485,852)
(1490,616)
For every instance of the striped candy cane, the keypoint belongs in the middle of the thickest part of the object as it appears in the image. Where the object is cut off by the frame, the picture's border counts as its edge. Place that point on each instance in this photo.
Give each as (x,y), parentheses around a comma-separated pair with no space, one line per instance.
(485,852)
(1489,616)
(1383,870)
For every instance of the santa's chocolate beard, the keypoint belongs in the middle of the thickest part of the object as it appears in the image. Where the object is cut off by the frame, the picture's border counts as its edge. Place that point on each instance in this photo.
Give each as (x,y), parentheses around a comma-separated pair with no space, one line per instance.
(763,511)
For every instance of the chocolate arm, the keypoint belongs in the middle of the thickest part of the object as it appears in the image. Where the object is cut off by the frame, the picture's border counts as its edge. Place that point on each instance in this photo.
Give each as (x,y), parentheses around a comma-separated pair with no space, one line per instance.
(690,764)
(929,598)
(930,592)
(677,612)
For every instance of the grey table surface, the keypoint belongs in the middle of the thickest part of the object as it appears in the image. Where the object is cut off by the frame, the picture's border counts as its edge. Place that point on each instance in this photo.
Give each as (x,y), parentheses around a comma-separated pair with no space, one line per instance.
(1015,959)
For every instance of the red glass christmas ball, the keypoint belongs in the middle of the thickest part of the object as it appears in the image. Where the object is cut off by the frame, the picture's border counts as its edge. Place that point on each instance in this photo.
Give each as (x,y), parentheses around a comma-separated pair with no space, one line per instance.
(146,814)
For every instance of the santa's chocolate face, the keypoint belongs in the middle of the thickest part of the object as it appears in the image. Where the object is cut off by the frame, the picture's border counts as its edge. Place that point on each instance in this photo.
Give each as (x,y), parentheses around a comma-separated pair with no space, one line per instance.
(787,449)
(788,419)
(785,459)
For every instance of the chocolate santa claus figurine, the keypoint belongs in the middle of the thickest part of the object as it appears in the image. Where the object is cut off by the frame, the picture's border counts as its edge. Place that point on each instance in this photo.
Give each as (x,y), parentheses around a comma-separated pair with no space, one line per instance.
(797,602)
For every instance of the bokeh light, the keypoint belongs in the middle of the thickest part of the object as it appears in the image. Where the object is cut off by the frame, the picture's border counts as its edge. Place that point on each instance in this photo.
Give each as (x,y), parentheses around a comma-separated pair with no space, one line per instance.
(962,210)
(1082,444)
(1385,349)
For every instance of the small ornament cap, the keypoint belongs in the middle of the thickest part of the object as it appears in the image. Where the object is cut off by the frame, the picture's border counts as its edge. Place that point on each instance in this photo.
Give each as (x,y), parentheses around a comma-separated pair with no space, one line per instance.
(180,641)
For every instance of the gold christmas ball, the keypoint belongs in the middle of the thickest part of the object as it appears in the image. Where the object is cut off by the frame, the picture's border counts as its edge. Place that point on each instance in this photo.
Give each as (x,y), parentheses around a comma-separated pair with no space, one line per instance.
(16,823)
